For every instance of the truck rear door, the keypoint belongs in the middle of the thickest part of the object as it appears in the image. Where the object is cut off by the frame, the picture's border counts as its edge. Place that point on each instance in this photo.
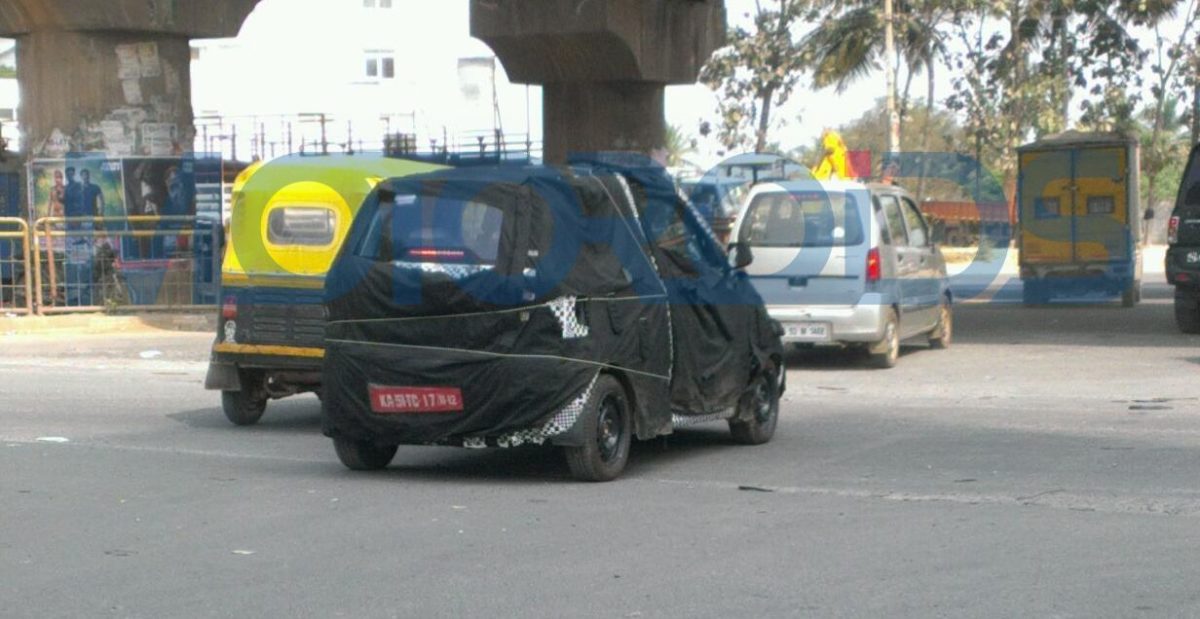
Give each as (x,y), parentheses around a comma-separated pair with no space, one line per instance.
(1102,215)
(1047,207)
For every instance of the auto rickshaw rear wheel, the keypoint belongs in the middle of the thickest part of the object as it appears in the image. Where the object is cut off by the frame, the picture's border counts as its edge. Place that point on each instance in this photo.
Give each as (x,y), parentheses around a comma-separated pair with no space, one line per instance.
(246,406)
(363,455)
(607,433)
(758,411)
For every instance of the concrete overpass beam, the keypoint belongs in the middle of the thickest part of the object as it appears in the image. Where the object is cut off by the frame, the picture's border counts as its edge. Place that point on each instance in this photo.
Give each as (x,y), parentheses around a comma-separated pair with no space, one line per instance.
(603,64)
(110,76)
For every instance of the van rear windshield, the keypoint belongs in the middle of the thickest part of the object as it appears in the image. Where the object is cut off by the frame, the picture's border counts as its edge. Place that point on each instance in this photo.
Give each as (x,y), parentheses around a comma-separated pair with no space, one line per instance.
(803,219)
(412,229)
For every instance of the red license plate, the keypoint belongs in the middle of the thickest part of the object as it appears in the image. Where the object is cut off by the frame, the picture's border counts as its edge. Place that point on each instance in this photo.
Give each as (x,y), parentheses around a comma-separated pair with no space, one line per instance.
(395,400)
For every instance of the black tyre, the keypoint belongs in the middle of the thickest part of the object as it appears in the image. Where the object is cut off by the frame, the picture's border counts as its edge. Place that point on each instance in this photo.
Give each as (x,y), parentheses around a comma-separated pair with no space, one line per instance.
(607,432)
(362,455)
(1131,295)
(758,411)
(886,352)
(246,407)
(943,333)
(1187,312)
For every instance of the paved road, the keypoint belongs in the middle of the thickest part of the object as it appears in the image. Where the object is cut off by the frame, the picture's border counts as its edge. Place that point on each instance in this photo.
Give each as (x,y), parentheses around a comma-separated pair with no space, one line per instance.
(1045,466)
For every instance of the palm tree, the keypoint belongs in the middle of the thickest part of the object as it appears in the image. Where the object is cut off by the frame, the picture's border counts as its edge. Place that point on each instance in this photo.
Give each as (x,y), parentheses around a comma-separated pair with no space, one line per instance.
(678,146)
(848,46)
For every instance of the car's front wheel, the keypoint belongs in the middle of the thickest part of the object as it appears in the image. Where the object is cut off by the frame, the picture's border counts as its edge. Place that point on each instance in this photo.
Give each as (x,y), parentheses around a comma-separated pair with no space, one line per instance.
(363,455)
(607,433)
(758,411)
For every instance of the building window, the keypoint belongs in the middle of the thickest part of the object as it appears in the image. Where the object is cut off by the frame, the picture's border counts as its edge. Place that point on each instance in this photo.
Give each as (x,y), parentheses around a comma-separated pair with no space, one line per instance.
(382,4)
(7,113)
(381,64)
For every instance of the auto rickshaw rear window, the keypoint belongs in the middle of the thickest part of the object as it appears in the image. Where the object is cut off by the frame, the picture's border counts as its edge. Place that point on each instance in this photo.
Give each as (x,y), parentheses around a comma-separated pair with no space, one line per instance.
(313,226)
(437,230)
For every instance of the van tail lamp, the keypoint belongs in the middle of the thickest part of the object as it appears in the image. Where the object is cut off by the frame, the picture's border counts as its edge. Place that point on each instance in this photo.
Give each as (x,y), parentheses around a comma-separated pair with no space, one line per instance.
(1173,230)
(1182,278)
(229,308)
(433,253)
(874,266)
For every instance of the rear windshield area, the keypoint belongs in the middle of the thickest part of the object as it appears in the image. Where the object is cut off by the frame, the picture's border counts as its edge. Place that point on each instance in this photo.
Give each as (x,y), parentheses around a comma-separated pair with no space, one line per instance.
(803,219)
(423,229)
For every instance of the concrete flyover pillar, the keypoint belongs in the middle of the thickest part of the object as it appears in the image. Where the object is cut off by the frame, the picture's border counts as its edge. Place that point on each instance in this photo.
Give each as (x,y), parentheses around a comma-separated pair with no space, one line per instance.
(603,64)
(110,76)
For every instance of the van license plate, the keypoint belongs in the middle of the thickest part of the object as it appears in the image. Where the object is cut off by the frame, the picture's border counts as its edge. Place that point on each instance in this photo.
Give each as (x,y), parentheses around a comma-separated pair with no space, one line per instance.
(398,400)
(806,331)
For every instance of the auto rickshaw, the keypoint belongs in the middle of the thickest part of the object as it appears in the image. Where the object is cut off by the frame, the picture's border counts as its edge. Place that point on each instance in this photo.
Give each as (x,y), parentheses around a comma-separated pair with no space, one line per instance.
(287,222)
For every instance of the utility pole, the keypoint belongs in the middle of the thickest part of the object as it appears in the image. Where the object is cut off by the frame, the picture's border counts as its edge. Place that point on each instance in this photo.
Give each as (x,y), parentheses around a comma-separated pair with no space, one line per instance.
(889,68)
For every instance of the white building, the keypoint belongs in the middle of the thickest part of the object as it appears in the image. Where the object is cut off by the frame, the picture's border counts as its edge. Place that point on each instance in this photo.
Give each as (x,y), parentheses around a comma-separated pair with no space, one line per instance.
(371,66)
(10,96)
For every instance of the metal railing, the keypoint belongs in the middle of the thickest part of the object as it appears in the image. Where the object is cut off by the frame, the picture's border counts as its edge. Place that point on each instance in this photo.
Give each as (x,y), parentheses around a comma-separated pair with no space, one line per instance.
(88,264)
(16,285)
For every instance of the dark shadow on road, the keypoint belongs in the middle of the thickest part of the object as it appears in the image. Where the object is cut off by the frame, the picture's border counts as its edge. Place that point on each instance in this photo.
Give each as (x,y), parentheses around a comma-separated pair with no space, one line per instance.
(521,465)
(300,413)
(839,359)
(1149,324)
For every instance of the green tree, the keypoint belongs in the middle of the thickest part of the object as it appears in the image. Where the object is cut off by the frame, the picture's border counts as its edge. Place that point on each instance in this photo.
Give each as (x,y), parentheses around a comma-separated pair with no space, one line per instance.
(756,72)
(1161,148)
(678,145)
(848,44)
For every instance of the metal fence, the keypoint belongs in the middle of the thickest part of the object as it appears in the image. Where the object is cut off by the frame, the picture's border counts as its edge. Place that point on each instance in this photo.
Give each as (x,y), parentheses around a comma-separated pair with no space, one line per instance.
(16,286)
(87,264)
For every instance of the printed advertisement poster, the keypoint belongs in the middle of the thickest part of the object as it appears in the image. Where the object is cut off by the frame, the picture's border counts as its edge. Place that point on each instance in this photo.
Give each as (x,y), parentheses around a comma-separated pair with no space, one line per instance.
(158,186)
(76,187)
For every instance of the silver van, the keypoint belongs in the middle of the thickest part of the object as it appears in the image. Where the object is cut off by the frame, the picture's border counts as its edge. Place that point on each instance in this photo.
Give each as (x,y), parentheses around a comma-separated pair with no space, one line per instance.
(851,264)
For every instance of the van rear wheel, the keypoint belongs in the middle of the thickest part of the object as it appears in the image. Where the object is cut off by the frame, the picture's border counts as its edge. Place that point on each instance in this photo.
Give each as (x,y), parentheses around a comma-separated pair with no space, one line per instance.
(363,455)
(758,412)
(886,352)
(607,433)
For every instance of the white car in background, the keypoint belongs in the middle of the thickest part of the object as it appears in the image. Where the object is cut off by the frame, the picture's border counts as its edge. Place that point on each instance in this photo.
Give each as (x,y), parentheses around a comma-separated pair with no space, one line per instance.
(846,263)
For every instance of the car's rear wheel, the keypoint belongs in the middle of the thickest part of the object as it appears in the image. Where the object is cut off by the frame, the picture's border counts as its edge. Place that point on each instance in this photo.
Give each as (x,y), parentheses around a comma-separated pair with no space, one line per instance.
(886,352)
(607,433)
(758,411)
(1187,312)
(246,406)
(363,455)
(943,333)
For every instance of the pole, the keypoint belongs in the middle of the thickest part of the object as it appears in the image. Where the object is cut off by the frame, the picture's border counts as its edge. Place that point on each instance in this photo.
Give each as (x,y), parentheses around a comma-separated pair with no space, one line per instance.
(889,68)
(324,141)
